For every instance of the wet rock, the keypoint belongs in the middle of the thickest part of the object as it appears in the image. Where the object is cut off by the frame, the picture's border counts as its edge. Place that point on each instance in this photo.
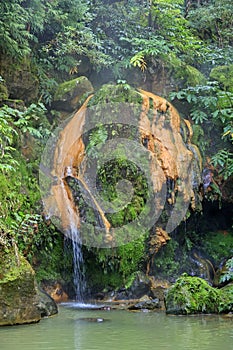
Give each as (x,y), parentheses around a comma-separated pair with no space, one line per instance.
(68,94)
(201,265)
(141,286)
(55,291)
(46,304)
(122,294)
(159,293)
(92,319)
(100,296)
(145,303)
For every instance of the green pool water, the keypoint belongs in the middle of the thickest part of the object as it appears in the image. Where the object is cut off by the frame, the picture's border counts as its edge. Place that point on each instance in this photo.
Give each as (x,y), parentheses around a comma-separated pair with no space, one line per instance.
(121,330)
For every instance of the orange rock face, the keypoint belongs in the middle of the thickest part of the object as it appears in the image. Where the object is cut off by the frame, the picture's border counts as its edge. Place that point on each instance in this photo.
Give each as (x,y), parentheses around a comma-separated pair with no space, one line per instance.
(173,163)
(56,292)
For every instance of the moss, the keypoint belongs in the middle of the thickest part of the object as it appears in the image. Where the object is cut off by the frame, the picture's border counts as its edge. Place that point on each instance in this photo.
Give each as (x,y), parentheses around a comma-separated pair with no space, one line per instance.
(21,79)
(219,244)
(116,93)
(110,175)
(131,257)
(194,76)
(165,261)
(52,262)
(19,193)
(224,75)
(190,75)
(99,281)
(192,295)
(18,293)
(226,299)
(3,92)
(198,134)
(16,104)
(69,95)
(11,265)
(68,88)
(113,268)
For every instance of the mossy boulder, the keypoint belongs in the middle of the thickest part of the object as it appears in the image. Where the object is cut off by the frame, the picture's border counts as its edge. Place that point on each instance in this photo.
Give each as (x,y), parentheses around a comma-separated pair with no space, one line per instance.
(19,299)
(226,298)
(68,95)
(192,295)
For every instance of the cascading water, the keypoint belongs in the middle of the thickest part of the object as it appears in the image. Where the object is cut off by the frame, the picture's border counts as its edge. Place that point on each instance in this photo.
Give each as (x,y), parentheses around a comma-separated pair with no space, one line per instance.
(73,233)
(78,266)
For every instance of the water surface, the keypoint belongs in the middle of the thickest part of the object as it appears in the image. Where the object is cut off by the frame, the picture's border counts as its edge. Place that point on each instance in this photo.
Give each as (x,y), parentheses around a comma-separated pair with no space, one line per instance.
(122,330)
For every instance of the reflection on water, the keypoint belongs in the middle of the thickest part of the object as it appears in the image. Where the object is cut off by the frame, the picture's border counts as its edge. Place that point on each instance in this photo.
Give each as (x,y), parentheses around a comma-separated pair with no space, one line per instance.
(122,330)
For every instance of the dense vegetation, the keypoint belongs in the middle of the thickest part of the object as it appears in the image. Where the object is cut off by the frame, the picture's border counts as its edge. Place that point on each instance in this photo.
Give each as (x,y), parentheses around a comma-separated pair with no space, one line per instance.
(186,43)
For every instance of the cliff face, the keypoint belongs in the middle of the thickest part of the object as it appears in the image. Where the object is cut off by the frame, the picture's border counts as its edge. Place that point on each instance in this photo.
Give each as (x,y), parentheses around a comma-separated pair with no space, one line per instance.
(131,126)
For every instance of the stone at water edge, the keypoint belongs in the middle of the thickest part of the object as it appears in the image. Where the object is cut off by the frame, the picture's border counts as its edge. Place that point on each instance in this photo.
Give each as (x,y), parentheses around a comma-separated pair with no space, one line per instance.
(18,294)
(56,291)
(192,295)
(20,302)
(140,286)
(92,319)
(46,304)
(226,299)
(145,303)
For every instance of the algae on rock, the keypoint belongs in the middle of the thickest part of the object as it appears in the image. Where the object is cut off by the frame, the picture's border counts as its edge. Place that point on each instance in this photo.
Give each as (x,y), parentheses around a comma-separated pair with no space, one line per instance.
(68,94)
(19,298)
(193,295)
(224,75)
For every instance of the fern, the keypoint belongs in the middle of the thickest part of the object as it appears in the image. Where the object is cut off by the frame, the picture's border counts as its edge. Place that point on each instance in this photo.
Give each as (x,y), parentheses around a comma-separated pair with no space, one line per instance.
(228,275)
(13,124)
(14,37)
(139,61)
(224,160)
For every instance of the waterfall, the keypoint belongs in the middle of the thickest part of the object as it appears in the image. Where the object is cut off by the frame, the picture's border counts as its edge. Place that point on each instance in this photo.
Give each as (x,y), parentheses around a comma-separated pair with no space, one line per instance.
(72,231)
(78,266)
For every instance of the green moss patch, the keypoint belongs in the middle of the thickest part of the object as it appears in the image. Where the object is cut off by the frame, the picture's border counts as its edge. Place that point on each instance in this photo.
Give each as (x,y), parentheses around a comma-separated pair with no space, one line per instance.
(226,299)
(224,75)
(219,244)
(192,295)
(12,265)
